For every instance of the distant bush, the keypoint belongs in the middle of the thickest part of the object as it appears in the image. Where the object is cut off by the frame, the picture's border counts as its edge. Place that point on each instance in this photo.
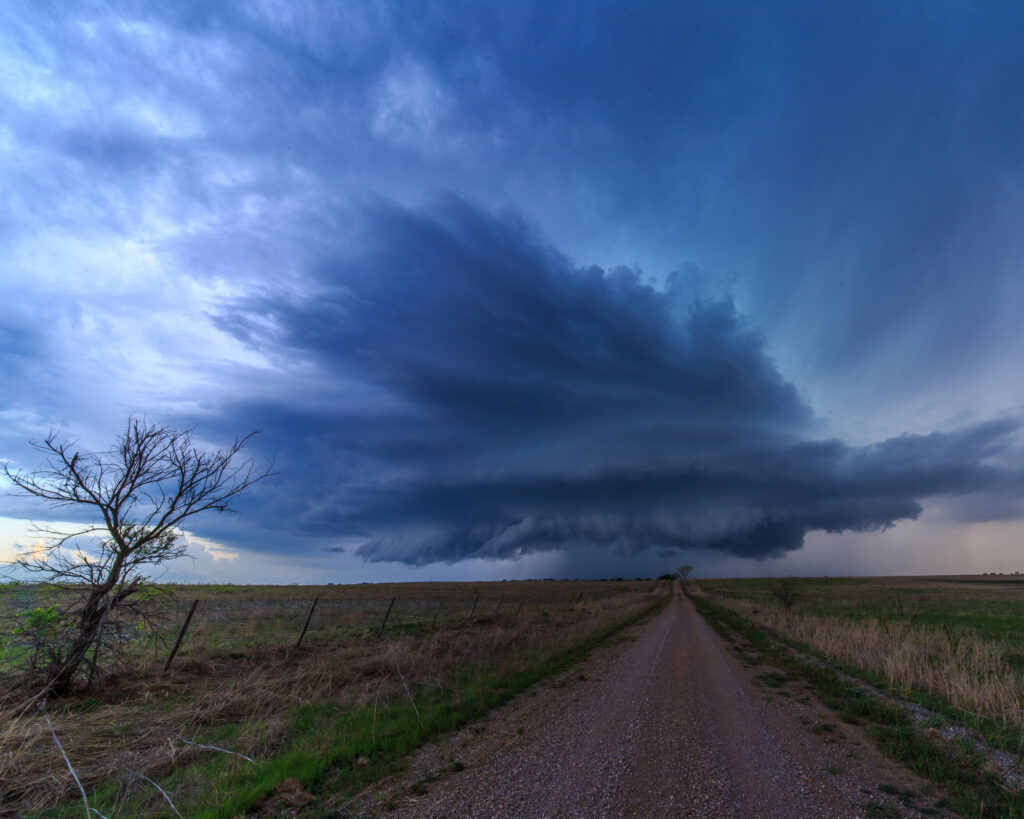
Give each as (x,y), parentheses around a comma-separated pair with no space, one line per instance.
(786,592)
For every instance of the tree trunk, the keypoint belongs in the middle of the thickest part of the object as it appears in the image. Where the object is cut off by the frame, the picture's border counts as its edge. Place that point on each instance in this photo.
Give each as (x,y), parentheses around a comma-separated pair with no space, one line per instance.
(61,679)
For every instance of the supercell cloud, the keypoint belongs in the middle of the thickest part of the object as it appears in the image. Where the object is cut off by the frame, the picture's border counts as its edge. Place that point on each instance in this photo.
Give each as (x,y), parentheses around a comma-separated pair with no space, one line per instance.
(429,252)
(499,401)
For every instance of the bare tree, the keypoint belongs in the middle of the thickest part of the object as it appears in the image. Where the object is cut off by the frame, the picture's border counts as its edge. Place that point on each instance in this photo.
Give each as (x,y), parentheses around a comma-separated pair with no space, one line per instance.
(684,571)
(138,493)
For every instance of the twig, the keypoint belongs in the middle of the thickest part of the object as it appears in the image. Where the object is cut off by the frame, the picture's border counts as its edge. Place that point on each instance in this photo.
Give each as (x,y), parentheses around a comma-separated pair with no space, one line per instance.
(373,725)
(409,694)
(407,691)
(162,792)
(215,748)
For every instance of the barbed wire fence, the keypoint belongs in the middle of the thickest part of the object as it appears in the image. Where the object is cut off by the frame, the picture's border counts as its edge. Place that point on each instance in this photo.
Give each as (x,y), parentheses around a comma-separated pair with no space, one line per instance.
(243,623)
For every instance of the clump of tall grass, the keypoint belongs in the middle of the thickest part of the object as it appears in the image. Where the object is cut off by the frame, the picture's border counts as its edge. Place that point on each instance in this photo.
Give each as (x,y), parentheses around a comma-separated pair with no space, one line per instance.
(964,669)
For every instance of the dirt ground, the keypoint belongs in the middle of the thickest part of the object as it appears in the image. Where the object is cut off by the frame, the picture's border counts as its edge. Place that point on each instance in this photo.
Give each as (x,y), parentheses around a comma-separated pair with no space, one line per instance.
(663,723)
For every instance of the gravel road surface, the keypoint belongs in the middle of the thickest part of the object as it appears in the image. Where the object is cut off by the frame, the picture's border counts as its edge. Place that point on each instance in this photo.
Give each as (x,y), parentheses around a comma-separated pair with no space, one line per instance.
(667,725)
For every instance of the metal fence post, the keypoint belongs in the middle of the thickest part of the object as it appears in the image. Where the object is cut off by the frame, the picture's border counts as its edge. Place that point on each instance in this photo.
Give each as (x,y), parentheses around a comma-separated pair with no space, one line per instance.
(308,618)
(181,634)
(385,620)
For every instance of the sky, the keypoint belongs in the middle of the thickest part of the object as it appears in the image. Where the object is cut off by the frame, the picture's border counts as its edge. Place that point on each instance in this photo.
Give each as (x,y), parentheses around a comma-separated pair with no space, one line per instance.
(528,289)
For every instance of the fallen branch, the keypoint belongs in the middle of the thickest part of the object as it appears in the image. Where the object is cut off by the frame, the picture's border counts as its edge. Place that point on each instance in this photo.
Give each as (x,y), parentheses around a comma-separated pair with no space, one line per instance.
(215,748)
(162,792)
(85,801)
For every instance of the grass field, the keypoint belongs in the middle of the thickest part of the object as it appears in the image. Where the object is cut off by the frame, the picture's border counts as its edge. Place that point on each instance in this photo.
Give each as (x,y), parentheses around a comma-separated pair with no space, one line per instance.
(335,714)
(973,781)
(955,640)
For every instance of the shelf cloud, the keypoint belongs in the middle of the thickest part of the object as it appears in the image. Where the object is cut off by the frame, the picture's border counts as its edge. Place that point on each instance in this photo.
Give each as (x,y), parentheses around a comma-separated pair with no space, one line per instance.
(497,401)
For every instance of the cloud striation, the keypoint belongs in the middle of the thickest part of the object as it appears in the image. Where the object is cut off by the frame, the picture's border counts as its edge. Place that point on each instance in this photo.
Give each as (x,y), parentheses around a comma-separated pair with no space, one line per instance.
(458,389)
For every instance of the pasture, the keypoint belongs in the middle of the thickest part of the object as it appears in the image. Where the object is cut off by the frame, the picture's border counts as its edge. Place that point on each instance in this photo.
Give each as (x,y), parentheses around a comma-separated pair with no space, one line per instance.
(956,640)
(243,708)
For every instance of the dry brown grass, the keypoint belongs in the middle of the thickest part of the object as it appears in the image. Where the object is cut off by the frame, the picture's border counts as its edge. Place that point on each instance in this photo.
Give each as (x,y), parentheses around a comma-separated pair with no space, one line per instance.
(131,723)
(967,671)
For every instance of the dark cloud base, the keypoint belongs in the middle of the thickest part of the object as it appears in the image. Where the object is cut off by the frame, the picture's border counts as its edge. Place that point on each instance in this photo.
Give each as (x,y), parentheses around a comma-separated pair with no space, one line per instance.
(479,396)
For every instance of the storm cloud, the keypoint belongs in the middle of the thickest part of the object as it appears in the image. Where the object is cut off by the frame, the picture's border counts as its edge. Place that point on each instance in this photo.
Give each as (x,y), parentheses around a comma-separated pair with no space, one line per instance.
(494,400)
(231,216)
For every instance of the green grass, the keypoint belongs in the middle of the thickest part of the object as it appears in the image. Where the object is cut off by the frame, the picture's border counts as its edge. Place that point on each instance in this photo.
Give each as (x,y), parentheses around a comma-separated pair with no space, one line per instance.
(236,620)
(336,750)
(991,607)
(974,792)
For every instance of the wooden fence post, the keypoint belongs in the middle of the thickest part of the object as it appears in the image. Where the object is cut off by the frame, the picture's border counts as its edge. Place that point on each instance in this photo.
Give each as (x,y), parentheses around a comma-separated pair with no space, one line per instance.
(181,634)
(437,611)
(308,618)
(473,607)
(500,601)
(385,620)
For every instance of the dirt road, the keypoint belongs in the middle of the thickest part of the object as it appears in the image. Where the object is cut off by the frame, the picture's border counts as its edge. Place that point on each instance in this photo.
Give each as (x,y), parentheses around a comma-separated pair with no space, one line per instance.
(670,725)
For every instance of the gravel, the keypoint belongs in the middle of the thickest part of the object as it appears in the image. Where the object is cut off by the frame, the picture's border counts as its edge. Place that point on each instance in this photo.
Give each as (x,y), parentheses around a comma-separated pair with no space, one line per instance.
(669,724)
